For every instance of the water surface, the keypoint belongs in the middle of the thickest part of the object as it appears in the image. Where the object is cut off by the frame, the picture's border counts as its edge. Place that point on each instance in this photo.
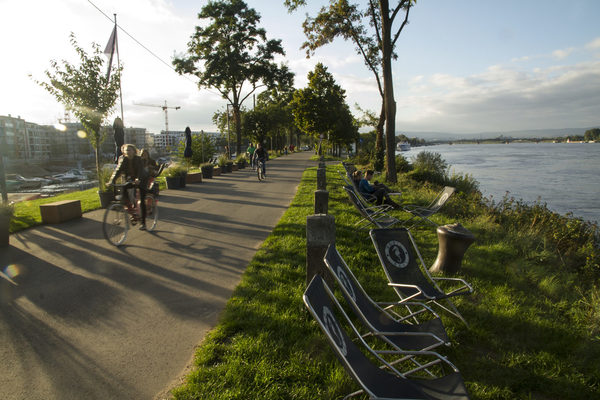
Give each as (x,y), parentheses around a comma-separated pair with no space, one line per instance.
(566,176)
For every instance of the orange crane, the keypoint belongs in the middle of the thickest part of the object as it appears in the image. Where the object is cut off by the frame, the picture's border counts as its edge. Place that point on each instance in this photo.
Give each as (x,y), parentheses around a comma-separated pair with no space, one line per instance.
(165,109)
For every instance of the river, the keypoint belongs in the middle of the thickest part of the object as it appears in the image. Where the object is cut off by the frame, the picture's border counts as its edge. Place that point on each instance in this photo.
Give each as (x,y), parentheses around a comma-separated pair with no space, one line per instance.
(565,176)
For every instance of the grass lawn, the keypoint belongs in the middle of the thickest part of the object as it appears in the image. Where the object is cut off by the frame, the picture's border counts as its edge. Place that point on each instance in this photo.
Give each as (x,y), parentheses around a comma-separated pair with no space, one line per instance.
(534,325)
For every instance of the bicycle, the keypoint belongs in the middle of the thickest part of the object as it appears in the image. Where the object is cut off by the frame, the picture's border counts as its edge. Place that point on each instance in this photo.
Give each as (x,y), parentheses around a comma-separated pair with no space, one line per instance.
(126,210)
(259,170)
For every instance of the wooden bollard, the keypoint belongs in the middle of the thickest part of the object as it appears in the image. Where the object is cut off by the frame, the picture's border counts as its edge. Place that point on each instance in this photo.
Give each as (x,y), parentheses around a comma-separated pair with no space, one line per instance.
(321,201)
(320,233)
(321,179)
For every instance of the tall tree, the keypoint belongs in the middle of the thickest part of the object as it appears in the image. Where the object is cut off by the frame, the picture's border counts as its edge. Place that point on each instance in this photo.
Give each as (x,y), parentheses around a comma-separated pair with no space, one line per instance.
(86,91)
(321,109)
(230,53)
(372,30)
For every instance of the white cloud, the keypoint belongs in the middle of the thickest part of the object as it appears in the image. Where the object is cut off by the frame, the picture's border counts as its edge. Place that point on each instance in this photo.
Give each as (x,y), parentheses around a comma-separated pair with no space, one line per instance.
(594,44)
(561,54)
(506,99)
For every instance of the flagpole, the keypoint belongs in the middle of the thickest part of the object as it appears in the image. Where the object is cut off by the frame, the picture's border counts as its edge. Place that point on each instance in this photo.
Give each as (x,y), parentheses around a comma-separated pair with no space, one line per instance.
(119,64)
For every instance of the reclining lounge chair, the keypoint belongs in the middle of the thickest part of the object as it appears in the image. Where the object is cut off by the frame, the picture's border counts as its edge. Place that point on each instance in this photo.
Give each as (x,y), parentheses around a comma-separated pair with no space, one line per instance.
(385,381)
(398,254)
(375,215)
(425,336)
(425,212)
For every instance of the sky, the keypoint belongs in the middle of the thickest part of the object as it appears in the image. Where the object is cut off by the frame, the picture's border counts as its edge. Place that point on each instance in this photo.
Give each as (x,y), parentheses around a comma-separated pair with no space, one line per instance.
(464,66)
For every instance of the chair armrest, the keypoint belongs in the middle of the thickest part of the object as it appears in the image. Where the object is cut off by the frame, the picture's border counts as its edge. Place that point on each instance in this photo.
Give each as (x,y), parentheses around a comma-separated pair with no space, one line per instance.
(399,318)
(466,288)
(419,291)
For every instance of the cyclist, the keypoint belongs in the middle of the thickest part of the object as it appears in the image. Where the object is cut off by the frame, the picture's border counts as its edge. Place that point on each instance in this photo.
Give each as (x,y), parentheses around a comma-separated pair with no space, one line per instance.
(132,166)
(261,154)
(250,152)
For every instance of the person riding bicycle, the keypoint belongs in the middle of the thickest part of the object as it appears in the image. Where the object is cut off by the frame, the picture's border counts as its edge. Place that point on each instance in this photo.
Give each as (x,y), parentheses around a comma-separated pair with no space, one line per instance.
(261,154)
(250,152)
(132,166)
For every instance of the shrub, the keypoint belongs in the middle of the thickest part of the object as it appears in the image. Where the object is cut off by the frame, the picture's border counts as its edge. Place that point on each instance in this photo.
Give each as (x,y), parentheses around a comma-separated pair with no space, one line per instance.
(402,164)
(222,161)
(175,171)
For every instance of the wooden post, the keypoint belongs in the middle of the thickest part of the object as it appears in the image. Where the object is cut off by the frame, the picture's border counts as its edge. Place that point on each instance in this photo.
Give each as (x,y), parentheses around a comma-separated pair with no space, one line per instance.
(321,179)
(320,233)
(321,201)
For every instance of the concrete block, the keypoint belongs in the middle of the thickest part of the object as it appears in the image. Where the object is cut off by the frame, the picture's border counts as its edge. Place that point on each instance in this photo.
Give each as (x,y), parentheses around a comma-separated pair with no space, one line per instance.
(321,179)
(321,201)
(60,211)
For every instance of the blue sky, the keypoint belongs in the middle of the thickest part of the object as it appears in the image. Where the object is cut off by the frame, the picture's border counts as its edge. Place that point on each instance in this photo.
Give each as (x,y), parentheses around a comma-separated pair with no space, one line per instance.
(464,66)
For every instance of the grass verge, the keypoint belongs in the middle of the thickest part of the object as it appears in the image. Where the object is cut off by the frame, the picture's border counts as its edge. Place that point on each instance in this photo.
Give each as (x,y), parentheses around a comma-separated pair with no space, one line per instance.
(533,332)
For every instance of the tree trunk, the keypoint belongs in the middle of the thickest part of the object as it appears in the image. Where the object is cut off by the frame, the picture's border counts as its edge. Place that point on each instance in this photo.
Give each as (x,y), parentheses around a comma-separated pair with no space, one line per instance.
(379,148)
(238,129)
(97,154)
(388,93)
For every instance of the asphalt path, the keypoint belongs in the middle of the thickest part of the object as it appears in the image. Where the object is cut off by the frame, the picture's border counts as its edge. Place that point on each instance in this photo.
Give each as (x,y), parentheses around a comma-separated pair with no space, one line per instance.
(87,320)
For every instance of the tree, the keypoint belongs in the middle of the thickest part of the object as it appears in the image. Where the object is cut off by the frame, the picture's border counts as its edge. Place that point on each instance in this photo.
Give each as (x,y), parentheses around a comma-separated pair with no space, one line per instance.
(320,110)
(592,134)
(231,51)
(372,31)
(85,91)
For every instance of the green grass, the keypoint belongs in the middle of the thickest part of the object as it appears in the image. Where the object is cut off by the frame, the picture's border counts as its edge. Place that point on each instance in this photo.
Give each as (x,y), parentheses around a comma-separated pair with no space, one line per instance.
(534,325)
(326,157)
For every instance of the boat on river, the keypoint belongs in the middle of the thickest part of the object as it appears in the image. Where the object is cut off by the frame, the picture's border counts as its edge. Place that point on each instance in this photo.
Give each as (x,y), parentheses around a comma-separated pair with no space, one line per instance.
(403,146)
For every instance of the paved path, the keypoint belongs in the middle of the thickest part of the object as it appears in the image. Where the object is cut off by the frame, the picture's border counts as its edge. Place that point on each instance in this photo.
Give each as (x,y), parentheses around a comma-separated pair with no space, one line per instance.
(91,321)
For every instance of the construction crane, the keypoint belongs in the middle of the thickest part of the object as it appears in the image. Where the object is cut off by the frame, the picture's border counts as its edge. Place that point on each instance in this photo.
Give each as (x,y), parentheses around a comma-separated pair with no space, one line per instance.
(165,109)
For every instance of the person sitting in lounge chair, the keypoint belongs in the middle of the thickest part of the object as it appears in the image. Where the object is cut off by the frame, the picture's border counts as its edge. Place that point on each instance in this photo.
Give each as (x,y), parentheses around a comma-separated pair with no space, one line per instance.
(378,192)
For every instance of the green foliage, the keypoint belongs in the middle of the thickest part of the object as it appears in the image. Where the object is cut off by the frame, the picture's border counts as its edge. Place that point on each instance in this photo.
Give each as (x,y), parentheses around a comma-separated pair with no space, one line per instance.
(228,50)
(576,242)
(85,91)
(321,109)
(431,167)
(592,134)
(207,166)
(203,149)
(175,171)
(105,174)
(222,161)
(402,164)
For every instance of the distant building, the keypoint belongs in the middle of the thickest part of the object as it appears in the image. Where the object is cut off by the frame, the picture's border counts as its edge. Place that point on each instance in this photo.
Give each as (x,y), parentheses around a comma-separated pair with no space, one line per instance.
(28,141)
(14,133)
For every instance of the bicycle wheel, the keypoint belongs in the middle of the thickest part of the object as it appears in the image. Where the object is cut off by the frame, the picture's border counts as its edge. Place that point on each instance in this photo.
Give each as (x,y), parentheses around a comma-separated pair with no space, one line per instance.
(151,212)
(259,172)
(115,224)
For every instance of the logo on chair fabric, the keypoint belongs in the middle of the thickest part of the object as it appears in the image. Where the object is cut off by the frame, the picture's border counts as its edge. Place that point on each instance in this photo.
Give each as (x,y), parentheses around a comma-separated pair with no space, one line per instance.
(334,330)
(397,254)
(346,282)
(442,199)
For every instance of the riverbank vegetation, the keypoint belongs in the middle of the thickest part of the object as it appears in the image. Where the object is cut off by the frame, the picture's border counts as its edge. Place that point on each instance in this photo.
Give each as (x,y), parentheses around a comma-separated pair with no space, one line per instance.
(534,317)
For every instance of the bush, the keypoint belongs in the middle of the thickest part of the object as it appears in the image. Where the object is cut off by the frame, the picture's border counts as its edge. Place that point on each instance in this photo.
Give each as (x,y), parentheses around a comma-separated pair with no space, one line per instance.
(222,161)
(402,164)
(175,171)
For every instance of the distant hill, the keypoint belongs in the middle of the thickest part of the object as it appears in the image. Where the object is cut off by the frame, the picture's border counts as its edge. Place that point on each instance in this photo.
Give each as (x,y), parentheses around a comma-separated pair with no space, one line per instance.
(524,134)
